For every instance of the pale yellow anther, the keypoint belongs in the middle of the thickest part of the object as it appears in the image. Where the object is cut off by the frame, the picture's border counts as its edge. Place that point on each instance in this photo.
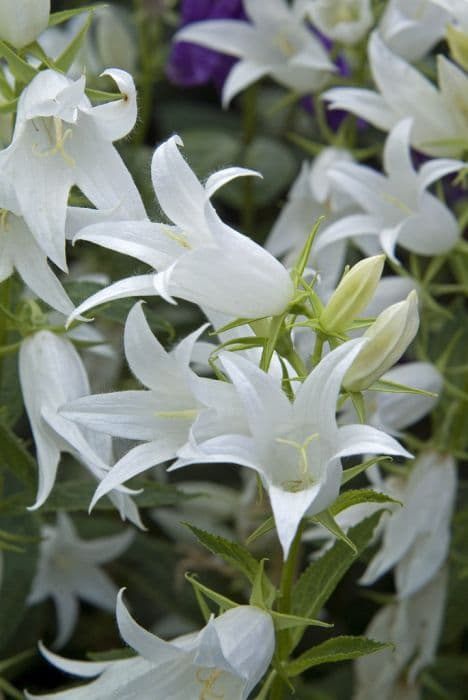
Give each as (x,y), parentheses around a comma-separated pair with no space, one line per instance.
(303,463)
(207,691)
(60,135)
(179,238)
(182,413)
(4,214)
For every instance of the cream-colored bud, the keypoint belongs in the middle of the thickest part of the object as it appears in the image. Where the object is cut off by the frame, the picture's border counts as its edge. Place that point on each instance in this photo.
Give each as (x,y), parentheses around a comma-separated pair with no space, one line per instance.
(388,338)
(22,22)
(352,295)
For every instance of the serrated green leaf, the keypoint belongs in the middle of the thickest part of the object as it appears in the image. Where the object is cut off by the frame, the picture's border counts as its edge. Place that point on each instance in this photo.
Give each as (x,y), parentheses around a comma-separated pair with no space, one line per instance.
(21,69)
(333,650)
(233,553)
(346,499)
(64,15)
(326,519)
(319,580)
(68,55)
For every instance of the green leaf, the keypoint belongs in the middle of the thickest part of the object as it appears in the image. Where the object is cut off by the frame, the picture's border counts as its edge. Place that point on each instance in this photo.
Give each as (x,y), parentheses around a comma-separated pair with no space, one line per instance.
(20,68)
(16,458)
(234,554)
(326,519)
(223,602)
(64,15)
(352,472)
(333,650)
(19,570)
(75,495)
(319,580)
(355,496)
(68,55)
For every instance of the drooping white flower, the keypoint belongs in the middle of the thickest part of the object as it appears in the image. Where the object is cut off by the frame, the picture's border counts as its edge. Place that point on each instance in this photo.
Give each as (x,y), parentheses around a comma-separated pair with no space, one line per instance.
(397,206)
(413,626)
(69,570)
(60,140)
(345,21)
(51,374)
(19,250)
(276,42)
(440,122)
(163,414)
(199,258)
(226,659)
(417,536)
(21,26)
(312,195)
(294,447)
(411,29)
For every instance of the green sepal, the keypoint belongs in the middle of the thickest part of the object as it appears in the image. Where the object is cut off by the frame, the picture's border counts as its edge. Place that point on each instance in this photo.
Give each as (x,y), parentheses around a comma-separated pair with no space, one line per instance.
(352,472)
(358,402)
(261,530)
(300,266)
(68,55)
(355,496)
(103,95)
(263,591)
(282,621)
(234,324)
(394,388)
(20,68)
(64,15)
(326,519)
(220,600)
(337,649)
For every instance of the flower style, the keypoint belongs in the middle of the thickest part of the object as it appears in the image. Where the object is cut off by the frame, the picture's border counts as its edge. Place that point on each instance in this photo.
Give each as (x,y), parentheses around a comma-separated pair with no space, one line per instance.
(20,28)
(294,447)
(346,21)
(312,195)
(276,43)
(413,626)
(226,659)
(69,570)
(397,207)
(19,250)
(417,536)
(199,259)
(51,374)
(162,415)
(440,122)
(412,29)
(60,140)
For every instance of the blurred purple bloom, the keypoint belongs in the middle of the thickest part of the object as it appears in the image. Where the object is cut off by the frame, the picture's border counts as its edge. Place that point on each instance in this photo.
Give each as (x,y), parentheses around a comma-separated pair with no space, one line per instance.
(190,64)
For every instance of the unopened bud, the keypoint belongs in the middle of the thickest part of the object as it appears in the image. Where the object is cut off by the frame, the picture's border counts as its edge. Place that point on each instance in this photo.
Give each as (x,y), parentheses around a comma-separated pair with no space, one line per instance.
(352,295)
(21,23)
(388,338)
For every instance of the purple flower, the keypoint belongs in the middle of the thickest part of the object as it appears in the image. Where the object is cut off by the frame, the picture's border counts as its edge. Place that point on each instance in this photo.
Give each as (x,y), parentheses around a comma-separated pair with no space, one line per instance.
(190,64)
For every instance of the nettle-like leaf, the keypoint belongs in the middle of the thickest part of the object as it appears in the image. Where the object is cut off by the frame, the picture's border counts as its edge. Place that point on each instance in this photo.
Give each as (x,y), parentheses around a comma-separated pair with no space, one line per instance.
(353,497)
(336,649)
(319,580)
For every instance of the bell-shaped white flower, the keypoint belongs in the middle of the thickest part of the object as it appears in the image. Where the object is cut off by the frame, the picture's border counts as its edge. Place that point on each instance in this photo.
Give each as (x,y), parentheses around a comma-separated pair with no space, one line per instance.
(19,250)
(294,447)
(226,659)
(19,26)
(163,414)
(51,374)
(60,140)
(345,21)
(311,196)
(69,570)
(413,626)
(276,42)
(417,536)
(411,29)
(440,124)
(397,207)
(199,258)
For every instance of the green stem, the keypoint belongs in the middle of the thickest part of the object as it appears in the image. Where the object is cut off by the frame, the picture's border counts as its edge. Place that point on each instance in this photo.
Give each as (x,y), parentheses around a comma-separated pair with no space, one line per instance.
(318,349)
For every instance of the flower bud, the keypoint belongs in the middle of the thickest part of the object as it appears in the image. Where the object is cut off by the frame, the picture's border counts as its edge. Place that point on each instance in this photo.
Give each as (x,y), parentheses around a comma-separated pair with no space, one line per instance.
(21,23)
(352,295)
(388,338)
